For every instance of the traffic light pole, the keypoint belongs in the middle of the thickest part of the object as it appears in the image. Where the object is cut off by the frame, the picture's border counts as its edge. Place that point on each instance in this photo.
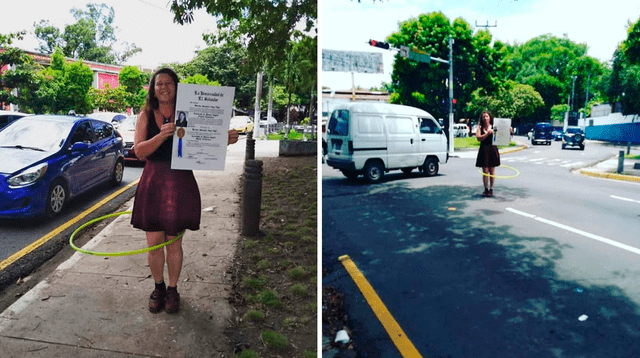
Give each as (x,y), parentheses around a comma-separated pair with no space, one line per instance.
(422,57)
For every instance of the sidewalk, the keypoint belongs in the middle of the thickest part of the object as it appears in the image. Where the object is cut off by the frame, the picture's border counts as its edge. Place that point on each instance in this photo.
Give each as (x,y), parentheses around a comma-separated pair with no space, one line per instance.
(607,168)
(93,306)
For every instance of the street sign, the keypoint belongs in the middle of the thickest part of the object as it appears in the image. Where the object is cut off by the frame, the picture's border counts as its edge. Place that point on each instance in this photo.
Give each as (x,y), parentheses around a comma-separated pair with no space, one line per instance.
(420,57)
(352,61)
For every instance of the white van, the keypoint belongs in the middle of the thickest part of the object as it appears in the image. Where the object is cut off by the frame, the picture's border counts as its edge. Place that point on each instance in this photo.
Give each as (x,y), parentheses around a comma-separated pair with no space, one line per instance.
(373,138)
(460,130)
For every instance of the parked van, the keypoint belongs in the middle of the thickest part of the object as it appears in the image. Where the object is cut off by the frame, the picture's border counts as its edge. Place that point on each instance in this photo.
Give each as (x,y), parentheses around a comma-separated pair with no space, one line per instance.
(460,130)
(374,138)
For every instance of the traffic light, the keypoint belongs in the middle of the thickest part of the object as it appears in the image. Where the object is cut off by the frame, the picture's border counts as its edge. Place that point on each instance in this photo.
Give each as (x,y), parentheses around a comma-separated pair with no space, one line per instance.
(380,44)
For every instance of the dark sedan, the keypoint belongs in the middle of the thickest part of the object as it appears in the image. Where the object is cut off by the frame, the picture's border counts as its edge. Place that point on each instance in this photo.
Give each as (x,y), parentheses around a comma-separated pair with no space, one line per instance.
(45,160)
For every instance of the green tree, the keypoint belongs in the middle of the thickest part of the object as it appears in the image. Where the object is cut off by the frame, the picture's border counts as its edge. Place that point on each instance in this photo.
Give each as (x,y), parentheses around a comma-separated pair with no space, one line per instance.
(62,87)
(476,64)
(110,99)
(133,81)
(20,74)
(515,100)
(224,65)
(269,27)
(91,38)
(200,80)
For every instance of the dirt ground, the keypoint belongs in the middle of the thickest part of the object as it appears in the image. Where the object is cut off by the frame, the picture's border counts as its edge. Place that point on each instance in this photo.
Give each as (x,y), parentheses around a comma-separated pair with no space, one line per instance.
(275,273)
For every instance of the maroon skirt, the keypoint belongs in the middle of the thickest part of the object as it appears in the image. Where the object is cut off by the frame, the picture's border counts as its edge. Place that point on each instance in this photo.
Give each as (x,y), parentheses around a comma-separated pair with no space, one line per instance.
(166,200)
(488,156)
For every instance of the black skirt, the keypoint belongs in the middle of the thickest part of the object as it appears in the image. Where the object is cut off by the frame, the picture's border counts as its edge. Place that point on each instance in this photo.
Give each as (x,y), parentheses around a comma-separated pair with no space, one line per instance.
(166,200)
(488,156)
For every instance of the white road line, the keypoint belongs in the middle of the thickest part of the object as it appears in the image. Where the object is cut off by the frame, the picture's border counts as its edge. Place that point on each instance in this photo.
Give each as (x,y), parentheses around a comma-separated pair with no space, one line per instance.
(625,199)
(576,231)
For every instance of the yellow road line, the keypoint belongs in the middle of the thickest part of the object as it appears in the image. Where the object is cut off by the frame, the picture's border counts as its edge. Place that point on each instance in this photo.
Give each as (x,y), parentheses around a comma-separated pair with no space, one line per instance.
(41,241)
(392,327)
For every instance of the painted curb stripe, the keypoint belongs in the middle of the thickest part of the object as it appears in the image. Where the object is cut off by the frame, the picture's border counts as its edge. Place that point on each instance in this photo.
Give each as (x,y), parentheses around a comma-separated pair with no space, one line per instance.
(41,241)
(610,176)
(399,338)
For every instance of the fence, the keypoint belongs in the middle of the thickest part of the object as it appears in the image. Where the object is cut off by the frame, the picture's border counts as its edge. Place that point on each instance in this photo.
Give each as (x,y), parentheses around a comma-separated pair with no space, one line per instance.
(623,133)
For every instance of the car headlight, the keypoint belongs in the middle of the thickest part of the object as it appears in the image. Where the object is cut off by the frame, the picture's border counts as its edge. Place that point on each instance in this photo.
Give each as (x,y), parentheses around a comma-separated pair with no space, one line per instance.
(28,176)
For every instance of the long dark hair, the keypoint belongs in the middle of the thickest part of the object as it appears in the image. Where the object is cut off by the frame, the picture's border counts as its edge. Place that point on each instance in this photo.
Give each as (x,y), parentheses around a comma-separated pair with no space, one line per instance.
(152,101)
(481,121)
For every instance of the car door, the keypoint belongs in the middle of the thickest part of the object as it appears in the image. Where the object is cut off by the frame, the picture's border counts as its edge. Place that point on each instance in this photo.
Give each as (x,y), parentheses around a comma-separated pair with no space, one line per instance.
(103,145)
(82,171)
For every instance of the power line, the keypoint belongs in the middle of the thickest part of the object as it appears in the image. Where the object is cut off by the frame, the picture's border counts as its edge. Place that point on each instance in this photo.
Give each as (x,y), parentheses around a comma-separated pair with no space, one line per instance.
(154,5)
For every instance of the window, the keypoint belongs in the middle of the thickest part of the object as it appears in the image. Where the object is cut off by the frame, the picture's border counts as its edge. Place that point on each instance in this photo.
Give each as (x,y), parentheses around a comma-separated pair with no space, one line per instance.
(339,122)
(102,130)
(370,125)
(400,125)
(83,133)
(428,126)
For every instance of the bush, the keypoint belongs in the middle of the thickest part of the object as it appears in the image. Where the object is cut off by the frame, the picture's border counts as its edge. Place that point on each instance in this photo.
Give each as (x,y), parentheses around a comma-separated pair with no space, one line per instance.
(275,340)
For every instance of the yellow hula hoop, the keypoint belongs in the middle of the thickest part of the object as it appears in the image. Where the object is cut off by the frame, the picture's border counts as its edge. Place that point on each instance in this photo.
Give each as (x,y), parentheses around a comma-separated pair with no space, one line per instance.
(501,176)
(122,253)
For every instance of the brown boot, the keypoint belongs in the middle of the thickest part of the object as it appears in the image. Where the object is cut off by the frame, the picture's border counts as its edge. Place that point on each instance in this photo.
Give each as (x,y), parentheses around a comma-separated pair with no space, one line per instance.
(172,300)
(156,301)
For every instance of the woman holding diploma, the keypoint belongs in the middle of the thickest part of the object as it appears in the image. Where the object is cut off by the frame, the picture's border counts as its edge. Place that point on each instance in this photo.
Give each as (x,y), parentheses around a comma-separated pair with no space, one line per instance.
(167,201)
(488,156)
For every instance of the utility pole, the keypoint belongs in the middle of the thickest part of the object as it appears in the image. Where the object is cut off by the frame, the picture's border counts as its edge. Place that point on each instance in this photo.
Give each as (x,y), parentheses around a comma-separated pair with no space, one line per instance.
(450,95)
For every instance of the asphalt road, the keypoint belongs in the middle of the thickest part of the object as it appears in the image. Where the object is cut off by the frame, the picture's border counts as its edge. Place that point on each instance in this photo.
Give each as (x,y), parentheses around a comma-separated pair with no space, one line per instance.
(532,272)
(16,234)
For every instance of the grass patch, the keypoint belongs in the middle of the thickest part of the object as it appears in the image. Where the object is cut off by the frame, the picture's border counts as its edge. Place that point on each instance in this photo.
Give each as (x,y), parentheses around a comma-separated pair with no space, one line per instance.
(264,264)
(472,142)
(298,289)
(630,156)
(275,340)
(309,354)
(298,273)
(248,354)
(254,315)
(256,283)
(269,298)
(250,244)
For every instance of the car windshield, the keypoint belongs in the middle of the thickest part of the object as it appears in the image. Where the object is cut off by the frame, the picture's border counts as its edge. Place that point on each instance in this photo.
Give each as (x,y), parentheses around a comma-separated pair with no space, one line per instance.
(39,133)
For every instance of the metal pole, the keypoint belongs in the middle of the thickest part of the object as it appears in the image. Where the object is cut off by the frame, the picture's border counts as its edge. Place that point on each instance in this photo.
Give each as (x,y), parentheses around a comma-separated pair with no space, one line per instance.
(256,119)
(450,95)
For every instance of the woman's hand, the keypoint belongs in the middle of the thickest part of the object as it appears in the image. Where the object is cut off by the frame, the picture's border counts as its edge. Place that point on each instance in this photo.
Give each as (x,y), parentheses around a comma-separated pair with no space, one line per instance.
(167,130)
(233,136)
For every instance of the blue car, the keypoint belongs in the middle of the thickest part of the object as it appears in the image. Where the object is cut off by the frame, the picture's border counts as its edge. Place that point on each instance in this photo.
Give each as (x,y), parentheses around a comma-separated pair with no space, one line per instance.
(45,160)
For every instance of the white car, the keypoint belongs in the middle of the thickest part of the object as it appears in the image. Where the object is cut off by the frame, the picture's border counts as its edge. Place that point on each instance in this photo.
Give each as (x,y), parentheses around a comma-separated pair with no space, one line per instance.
(127,130)
(109,117)
(7,117)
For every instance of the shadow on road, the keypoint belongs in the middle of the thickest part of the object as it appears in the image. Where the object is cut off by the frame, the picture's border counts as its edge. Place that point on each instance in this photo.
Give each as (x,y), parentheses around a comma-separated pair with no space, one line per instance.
(459,285)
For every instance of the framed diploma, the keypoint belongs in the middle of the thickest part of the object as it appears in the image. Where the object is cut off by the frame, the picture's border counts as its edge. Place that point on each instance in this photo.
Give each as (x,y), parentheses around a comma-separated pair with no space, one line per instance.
(501,131)
(202,119)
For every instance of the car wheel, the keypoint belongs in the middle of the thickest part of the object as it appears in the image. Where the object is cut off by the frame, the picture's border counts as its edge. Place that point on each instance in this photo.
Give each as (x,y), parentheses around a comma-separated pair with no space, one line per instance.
(118,173)
(56,199)
(430,167)
(373,171)
(582,147)
(350,174)
(407,170)
(564,146)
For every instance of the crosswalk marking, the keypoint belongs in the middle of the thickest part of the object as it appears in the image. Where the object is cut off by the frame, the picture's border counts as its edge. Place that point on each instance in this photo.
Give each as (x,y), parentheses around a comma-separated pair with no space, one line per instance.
(540,161)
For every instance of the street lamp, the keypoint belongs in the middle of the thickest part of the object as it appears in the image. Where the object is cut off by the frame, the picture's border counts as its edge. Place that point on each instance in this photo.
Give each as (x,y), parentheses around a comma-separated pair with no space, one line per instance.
(573,89)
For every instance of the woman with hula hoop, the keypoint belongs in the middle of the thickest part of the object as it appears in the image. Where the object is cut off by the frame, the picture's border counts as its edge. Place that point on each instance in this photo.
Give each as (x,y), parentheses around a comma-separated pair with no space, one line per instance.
(167,201)
(488,156)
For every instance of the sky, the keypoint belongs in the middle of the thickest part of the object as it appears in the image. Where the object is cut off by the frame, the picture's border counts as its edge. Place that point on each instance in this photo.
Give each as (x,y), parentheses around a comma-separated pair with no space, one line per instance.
(146,23)
(348,25)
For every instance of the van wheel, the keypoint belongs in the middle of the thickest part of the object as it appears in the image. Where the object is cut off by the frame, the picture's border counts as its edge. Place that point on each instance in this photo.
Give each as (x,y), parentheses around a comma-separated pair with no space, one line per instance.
(373,171)
(350,174)
(430,167)
(407,170)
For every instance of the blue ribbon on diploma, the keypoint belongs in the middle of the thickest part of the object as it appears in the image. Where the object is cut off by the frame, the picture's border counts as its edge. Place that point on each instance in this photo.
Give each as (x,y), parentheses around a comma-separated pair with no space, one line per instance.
(180,147)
